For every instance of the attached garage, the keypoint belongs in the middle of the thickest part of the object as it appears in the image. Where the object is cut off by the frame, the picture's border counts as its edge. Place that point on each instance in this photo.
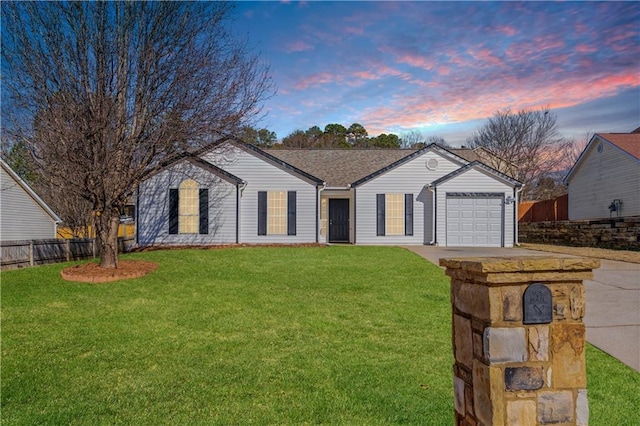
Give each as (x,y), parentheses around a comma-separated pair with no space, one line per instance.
(475,206)
(474,220)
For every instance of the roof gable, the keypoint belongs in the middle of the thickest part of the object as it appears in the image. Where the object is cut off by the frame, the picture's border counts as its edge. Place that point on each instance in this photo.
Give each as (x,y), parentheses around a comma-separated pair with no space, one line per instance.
(202,164)
(257,152)
(627,143)
(481,167)
(29,191)
(429,148)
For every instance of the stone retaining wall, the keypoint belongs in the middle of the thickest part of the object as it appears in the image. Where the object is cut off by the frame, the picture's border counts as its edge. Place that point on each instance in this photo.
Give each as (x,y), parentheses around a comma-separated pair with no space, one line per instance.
(519,357)
(615,233)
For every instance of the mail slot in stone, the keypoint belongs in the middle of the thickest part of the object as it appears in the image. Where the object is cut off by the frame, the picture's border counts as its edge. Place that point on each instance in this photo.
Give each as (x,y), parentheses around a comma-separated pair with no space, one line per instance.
(537,306)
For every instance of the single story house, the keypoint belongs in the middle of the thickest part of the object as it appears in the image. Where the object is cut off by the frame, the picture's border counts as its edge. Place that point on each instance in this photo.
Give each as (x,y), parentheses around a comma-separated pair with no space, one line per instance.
(237,193)
(23,214)
(605,180)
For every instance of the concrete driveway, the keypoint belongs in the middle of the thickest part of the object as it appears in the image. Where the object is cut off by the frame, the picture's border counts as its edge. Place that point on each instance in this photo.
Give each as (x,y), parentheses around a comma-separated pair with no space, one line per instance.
(612,317)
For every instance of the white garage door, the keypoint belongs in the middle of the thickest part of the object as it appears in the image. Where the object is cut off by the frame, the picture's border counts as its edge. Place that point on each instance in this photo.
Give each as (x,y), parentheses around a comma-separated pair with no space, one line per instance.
(474,220)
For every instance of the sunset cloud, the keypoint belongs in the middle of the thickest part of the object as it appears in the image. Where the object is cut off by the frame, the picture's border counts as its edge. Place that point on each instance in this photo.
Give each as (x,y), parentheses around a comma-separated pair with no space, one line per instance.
(298,46)
(393,67)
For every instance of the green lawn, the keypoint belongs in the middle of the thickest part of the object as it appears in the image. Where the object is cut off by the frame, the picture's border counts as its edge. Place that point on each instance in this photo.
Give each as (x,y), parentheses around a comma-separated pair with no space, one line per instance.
(337,335)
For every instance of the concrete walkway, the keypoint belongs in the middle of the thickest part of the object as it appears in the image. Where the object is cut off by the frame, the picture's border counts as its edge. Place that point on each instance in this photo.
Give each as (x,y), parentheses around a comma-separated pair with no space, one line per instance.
(612,317)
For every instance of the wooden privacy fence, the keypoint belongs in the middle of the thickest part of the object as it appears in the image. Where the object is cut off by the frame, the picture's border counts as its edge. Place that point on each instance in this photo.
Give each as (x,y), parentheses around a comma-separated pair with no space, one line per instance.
(23,253)
(544,211)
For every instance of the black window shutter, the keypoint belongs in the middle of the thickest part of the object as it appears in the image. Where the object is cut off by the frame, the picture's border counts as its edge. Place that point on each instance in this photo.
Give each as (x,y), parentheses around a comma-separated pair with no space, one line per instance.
(380,208)
(204,210)
(408,214)
(291,213)
(173,211)
(262,213)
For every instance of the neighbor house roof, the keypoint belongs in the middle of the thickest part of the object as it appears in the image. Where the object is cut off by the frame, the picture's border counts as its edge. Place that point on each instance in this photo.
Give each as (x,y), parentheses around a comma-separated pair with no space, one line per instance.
(628,142)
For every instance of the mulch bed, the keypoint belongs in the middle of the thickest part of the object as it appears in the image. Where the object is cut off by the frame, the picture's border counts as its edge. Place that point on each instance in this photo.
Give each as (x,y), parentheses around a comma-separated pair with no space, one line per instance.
(93,273)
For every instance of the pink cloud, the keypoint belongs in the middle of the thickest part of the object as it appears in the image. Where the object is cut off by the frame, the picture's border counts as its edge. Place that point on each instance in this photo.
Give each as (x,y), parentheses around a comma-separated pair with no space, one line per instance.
(378,71)
(316,80)
(444,70)
(417,61)
(506,29)
(298,46)
(459,103)
(583,48)
(486,56)
(354,30)
(547,42)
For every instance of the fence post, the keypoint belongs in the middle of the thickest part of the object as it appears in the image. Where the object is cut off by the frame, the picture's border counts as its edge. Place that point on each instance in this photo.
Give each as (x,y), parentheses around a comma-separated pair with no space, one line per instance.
(93,247)
(30,253)
(68,249)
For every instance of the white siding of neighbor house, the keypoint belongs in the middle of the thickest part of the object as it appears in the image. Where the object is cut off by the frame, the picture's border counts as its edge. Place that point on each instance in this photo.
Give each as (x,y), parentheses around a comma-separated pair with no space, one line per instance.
(153,207)
(473,181)
(261,175)
(21,216)
(602,177)
(408,178)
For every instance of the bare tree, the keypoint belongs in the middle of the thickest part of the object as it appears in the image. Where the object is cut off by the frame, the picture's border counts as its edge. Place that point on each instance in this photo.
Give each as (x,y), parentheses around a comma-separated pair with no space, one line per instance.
(412,139)
(104,92)
(575,148)
(528,139)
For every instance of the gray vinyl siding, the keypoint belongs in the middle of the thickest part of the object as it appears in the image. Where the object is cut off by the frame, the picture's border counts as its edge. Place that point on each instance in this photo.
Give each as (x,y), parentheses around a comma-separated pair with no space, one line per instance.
(153,207)
(408,178)
(22,217)
(260,175)
(602,177)
(473,181)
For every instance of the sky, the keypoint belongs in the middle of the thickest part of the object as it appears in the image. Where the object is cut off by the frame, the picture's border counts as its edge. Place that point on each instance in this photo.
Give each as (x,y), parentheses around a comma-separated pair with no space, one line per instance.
(443,68)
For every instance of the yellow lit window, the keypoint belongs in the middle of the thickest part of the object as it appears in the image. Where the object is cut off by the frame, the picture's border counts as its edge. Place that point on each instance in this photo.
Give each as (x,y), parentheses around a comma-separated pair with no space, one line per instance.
(188,206)
(394,205)
(277,213)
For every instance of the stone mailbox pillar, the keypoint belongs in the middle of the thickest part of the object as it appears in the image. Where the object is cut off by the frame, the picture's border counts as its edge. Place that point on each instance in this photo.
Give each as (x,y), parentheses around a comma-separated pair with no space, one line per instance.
(518,340)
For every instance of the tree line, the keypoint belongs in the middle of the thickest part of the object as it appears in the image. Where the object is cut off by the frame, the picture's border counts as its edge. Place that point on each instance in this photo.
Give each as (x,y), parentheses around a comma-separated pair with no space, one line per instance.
(336,135)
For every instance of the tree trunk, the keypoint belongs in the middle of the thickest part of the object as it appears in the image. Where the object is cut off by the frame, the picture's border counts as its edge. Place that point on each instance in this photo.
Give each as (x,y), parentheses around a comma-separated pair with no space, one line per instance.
(106,226)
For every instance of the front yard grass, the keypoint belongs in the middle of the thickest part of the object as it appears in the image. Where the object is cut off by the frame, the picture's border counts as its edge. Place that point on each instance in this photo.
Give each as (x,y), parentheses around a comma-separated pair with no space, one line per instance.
(336,335)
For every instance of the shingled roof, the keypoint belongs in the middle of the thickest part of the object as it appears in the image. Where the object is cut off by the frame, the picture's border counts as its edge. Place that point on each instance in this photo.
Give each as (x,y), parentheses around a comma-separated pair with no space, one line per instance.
(340,167)
(628,142)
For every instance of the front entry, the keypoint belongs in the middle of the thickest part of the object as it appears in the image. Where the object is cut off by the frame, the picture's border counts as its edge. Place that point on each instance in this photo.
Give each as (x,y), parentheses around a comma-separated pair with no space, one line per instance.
(338,220)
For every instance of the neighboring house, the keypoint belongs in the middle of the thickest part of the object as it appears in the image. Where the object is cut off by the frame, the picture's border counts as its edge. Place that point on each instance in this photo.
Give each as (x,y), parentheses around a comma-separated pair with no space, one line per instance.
(23,215)
(605,180)
(237,193)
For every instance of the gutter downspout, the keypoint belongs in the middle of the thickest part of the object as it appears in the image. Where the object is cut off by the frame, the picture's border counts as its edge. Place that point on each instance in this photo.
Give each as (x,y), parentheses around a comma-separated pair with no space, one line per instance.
(319,189)
(433,214)
(515,215)
(355,212)
(239,188)
(137,218)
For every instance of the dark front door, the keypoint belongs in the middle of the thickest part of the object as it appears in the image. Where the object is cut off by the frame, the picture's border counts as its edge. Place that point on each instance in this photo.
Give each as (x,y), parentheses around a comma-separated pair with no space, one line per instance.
(338,220)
